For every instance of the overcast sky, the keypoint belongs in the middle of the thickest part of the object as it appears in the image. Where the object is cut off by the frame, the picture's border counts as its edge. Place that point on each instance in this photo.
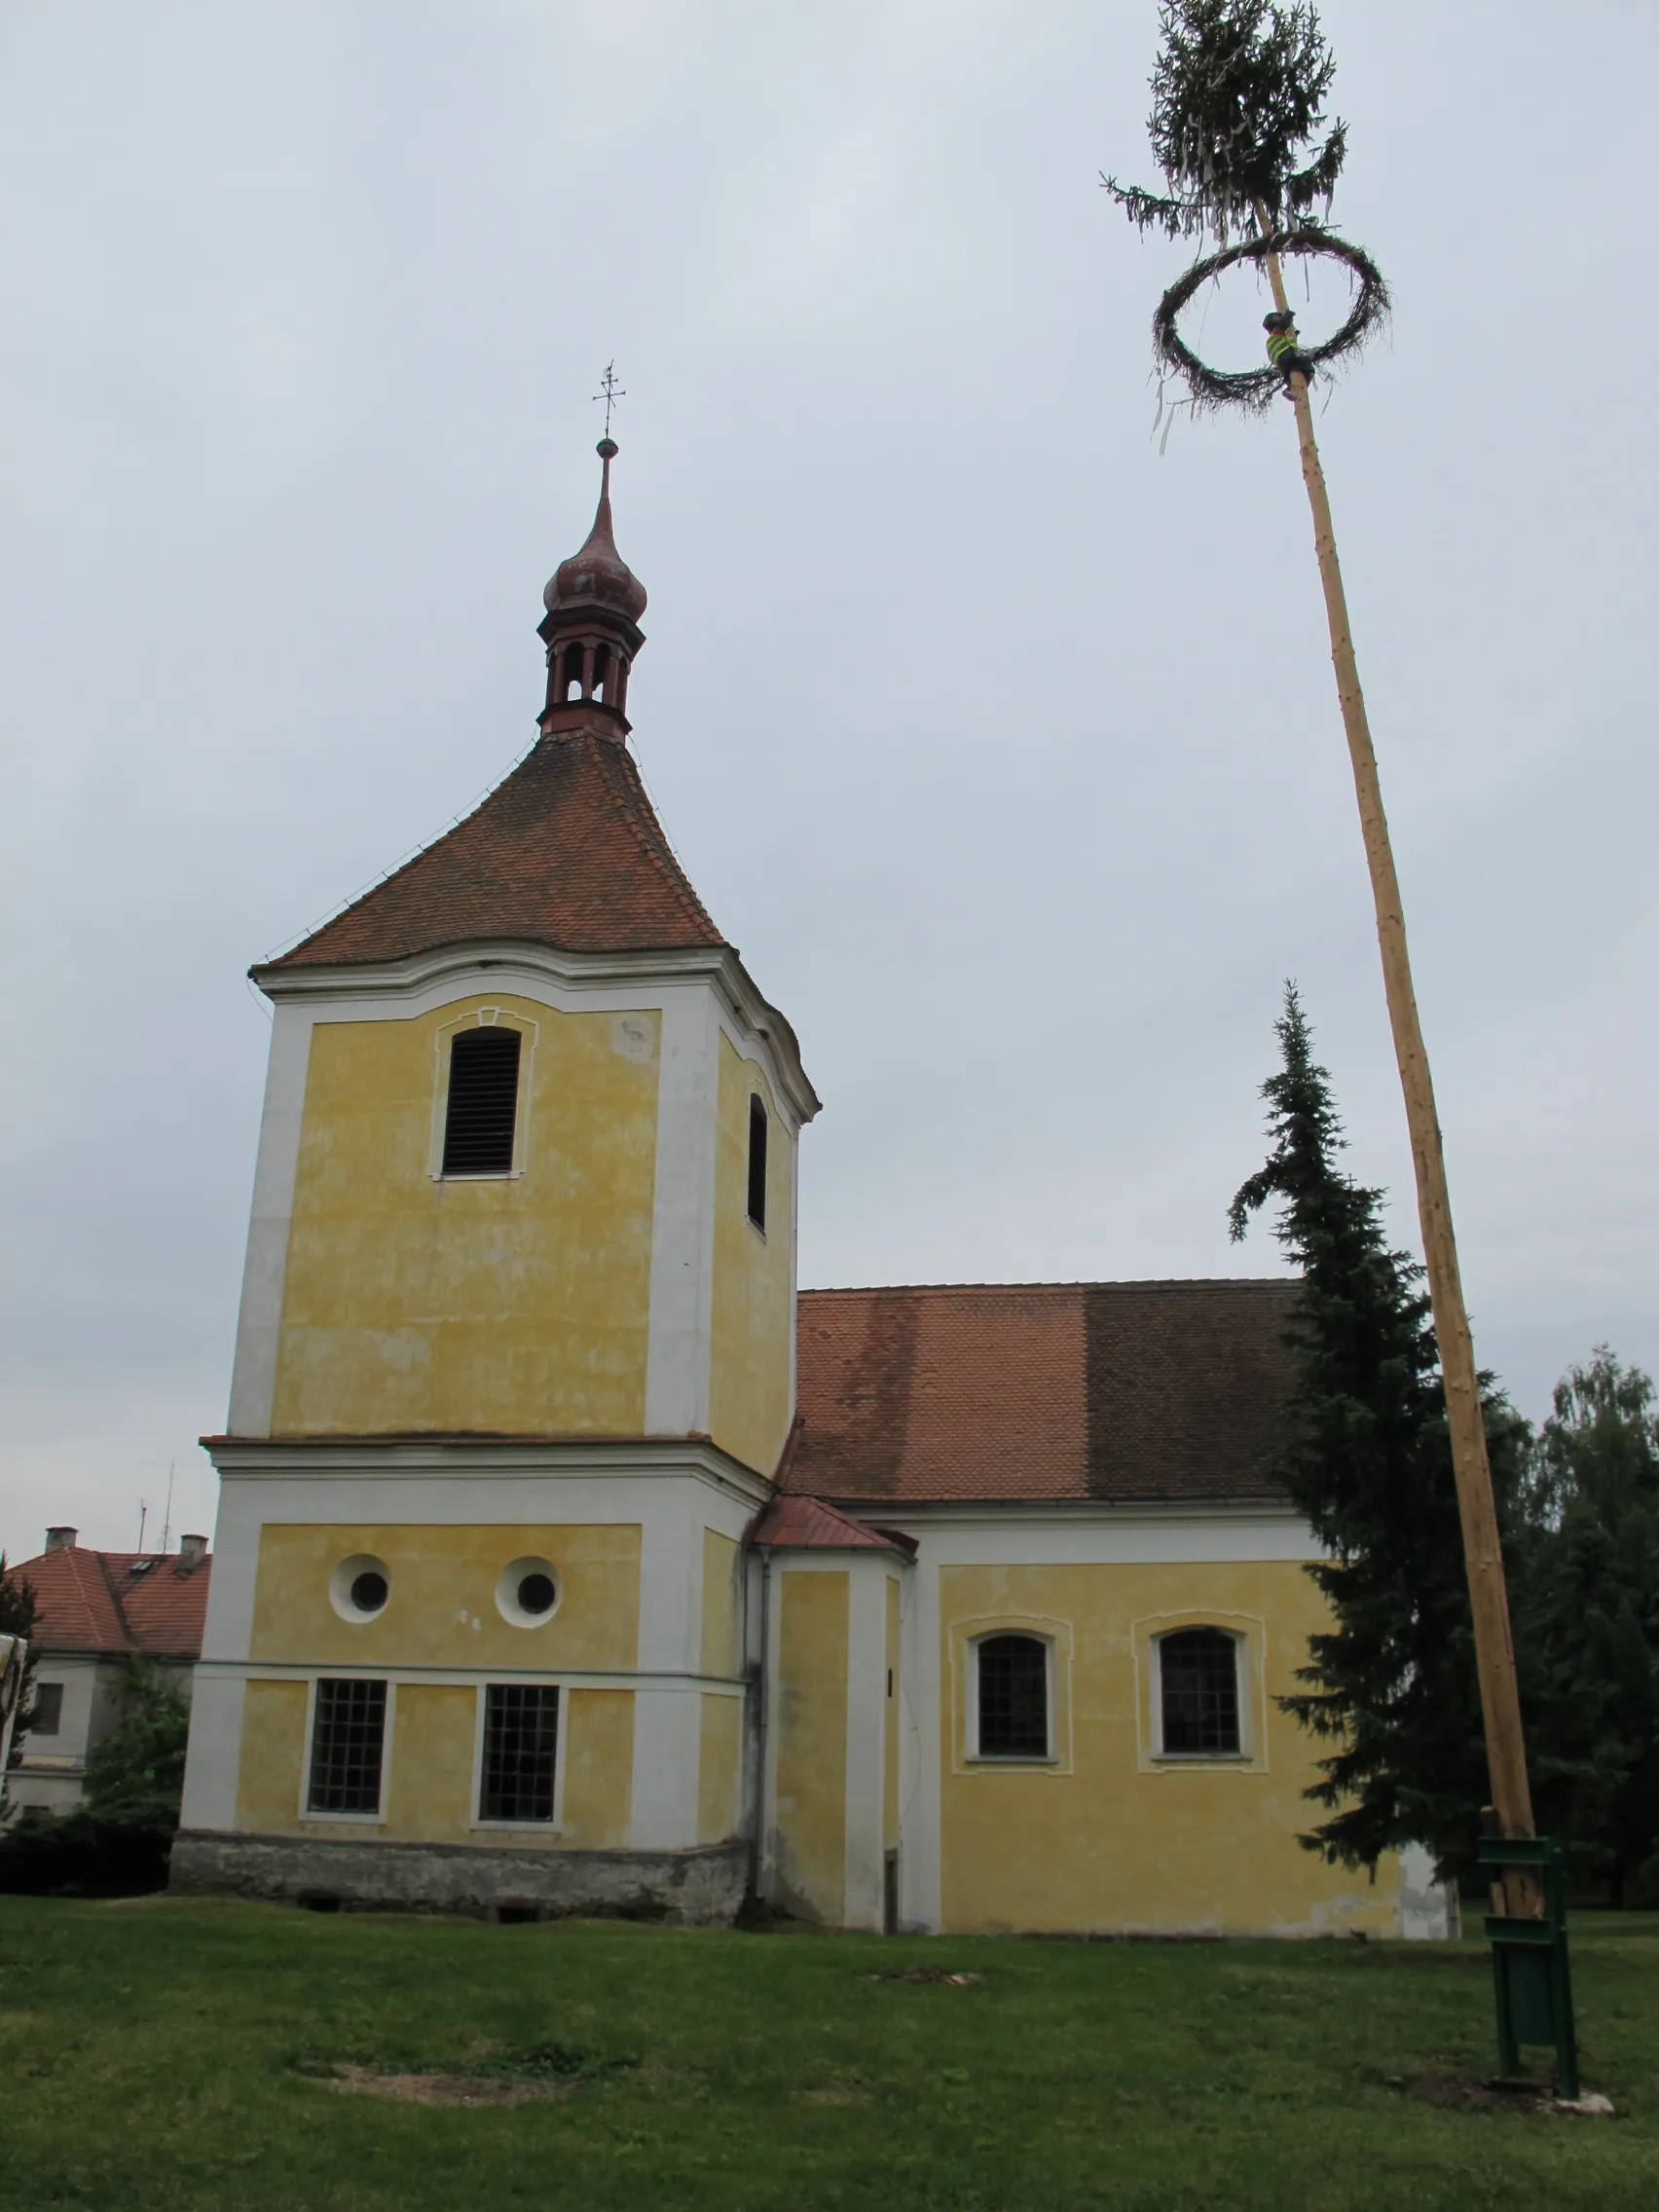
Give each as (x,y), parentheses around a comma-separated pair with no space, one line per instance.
(1005,746)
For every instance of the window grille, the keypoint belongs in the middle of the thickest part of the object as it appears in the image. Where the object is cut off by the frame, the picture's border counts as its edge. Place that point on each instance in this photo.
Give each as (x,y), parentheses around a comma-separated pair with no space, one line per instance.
(49,1709)
(347,1737)
(758,1160)
(483,1102)
(1014,1697)
(521,1745)
(1198,1670)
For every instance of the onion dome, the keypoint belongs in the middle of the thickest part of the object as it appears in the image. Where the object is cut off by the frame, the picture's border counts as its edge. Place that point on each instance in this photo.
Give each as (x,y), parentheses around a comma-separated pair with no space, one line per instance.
(597,576)
(591,627)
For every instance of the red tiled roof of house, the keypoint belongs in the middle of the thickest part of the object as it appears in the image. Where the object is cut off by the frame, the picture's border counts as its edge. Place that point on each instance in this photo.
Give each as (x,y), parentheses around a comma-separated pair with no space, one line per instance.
(1120,1391)
(792,1522)
(116,1602)
(567,851)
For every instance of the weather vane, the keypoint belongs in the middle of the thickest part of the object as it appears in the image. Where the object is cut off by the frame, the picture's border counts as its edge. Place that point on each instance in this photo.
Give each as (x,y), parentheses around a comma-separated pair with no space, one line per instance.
(610,391)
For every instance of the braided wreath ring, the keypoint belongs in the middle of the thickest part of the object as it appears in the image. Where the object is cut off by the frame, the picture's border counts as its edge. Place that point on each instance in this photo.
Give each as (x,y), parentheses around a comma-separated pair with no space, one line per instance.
(1256,389)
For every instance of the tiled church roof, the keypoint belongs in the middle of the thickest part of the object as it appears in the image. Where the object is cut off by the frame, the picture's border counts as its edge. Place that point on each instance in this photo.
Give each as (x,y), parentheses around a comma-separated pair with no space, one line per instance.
(1120,1391)
(806,1523)
(567,851)
(116,1602)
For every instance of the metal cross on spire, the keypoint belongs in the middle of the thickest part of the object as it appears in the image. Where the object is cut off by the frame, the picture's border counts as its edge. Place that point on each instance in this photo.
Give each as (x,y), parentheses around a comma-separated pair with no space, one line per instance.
(610,391)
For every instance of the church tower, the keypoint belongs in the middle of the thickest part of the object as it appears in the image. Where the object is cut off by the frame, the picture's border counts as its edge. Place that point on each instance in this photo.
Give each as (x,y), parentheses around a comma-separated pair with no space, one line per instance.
(515,1359)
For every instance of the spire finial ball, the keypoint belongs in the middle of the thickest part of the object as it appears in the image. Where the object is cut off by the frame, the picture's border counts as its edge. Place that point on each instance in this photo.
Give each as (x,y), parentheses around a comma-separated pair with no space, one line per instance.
(607,449)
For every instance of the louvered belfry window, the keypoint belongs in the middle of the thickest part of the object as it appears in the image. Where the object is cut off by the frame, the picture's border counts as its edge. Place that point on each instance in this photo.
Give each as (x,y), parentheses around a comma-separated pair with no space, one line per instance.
(757,1162)
(483,1102)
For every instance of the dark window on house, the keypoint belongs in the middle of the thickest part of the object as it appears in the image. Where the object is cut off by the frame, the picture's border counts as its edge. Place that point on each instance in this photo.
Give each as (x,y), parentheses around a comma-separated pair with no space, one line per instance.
(1014,1697)
(1199,1668)
(483,1102)
(49,1709)
(521,1745)
(348,1734)
(757,1162)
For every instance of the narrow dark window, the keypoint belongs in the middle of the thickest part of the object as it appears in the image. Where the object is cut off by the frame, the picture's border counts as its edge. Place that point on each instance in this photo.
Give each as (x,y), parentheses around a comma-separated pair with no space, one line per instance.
(1014,1697)
(521,1743)
(758,1160)
(1199,1668)
(49,1709)
(483,1102)
(348,1734)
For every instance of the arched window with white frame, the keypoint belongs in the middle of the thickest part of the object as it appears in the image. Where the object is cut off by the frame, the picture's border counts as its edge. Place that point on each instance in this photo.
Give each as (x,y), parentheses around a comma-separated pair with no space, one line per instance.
(1200,1706)
(1012,1697)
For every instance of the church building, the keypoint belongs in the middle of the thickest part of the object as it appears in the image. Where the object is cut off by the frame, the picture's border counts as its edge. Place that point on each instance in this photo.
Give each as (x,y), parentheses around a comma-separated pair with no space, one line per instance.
(570,1560)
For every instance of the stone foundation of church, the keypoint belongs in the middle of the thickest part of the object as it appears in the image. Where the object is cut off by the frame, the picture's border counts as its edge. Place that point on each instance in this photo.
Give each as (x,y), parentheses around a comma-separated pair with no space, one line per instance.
(702,1887)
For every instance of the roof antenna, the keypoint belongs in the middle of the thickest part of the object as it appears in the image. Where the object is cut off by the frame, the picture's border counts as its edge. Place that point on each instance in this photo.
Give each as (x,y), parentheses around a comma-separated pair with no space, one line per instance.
(166,1520)
(143,1511)
(610,391)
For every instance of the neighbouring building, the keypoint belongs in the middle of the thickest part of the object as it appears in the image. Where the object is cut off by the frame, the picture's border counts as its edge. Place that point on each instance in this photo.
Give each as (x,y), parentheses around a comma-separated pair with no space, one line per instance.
(570,1560)
(95,1611)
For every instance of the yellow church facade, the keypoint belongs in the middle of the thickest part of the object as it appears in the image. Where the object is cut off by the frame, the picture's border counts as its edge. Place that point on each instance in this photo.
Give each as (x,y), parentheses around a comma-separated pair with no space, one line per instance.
(570,1560)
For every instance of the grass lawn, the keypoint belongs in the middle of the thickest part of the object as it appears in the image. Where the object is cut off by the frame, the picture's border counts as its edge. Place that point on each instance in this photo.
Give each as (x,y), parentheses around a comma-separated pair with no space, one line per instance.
(157,2053)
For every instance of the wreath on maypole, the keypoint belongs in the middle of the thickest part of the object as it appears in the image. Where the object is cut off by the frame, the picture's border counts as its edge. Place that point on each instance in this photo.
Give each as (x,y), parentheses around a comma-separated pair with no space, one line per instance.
(1237,101)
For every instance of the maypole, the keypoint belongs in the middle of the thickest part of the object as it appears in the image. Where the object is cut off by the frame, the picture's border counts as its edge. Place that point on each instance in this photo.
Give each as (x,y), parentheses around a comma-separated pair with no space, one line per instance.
(1238,93)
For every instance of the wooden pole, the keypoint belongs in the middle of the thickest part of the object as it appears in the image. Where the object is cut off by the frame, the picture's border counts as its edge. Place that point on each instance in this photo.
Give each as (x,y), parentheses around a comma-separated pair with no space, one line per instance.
(1483,1555)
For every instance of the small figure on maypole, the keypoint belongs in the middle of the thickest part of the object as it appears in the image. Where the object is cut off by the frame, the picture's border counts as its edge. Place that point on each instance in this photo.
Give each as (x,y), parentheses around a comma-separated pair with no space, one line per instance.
(1282,348)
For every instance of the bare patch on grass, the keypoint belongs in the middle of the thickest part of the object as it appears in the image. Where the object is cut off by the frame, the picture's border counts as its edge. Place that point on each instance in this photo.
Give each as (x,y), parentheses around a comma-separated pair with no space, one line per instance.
(1461,2093)
(927,1973)
(442,2088)
(531,2076)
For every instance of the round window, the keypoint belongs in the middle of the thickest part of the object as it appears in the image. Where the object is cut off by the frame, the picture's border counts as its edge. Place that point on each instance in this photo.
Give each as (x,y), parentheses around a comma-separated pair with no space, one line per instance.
(360,1587)
(527,1593)
(535,1594)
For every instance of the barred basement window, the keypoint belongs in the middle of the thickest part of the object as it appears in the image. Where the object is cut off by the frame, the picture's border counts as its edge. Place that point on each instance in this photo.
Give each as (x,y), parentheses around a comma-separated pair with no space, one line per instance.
(347,1735)
(1199,1673)
(1014,1697)
(49,1709)
(758,1160)
(483,1102)
(521,1745)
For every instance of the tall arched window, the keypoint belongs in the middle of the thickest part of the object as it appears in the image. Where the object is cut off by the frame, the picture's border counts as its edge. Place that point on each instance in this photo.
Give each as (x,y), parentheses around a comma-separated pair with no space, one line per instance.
(483,1102)
(757,1160)
(1012,1697)
(1198,1687)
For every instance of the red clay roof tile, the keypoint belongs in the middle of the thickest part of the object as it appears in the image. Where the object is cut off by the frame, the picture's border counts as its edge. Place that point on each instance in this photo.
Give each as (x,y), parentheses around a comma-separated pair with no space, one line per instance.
(1119,1391)
(116,1602)
(807,1524)
(566,851)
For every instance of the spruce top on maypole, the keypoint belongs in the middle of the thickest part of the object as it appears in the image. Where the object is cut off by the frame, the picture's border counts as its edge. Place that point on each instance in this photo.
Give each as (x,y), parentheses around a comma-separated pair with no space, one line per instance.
(1238,97)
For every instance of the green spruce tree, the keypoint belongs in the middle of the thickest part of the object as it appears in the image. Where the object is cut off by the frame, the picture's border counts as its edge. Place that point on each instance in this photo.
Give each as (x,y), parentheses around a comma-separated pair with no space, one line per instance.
(1391,1686)
(1588,1623)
